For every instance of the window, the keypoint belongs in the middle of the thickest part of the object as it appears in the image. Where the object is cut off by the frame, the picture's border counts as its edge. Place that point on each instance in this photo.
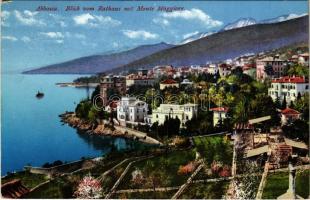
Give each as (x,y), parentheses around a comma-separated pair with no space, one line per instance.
(307,87)
(157,116)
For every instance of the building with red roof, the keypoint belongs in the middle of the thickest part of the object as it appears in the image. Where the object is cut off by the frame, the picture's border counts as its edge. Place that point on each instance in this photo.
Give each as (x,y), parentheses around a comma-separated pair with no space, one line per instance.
(168,83)
(289,115)
(219,114)
(288,87)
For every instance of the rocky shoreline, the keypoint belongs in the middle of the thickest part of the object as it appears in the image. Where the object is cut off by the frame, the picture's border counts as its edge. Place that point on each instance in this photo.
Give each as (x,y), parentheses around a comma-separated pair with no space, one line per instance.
(103,129)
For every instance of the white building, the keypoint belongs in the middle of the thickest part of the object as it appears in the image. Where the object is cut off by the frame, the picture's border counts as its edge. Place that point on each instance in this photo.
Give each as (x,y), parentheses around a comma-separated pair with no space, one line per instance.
(182,112)
(131,110)
(303,59)
(139,81)
(224,70)
(219,114)
(213,69)
(288,87)
(289,115)
(186,82)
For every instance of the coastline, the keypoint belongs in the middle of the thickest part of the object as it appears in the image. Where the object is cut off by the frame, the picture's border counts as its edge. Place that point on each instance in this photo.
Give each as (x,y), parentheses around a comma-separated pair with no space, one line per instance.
(77,85)
(105,129)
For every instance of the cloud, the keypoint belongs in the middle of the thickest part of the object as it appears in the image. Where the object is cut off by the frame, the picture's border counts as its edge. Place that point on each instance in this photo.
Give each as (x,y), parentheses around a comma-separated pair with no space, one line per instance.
(4,16)
(190,34)
(53,35)
(95,20)
(26,39)
(59,41)
(195,15)
(58,20)
(62,24)
(89,44)
(28,18)
(74,35)
(79,36)
(140,34)
(10,38)
(161,21)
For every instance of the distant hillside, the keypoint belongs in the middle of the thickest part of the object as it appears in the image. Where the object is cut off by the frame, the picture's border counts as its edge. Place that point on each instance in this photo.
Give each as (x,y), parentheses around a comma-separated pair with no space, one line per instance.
(98,63)
(229,44)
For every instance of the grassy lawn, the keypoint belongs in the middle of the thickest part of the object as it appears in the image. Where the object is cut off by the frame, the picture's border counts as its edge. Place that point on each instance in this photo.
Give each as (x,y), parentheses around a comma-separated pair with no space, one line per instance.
(145,195)
(164,168)
(277,184)
(214,148)
(28,179)
(205,190)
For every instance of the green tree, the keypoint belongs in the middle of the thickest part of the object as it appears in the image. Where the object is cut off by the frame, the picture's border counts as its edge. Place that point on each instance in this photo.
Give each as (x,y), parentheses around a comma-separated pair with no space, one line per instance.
(284,104)
(297,129)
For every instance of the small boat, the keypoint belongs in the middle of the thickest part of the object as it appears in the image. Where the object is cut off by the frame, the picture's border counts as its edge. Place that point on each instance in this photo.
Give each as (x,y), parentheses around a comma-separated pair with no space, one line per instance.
(40,95)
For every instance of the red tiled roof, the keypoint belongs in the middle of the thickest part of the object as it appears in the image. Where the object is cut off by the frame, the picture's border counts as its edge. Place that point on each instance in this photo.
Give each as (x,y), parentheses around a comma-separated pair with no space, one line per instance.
(288,79)
(169,81)
(289,111)
(220,109)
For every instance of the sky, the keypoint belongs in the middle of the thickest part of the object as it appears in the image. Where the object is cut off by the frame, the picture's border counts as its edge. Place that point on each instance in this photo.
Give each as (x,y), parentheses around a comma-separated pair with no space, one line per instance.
(33,38)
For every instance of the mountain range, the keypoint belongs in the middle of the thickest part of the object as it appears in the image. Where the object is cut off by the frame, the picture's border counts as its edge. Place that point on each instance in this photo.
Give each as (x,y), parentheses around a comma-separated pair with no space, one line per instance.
(99,63)
(237,38)
(242,22)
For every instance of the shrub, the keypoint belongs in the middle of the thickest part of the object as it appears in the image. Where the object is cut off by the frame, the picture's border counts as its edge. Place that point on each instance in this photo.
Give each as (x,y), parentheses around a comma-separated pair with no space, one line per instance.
(186,169)
(88,188)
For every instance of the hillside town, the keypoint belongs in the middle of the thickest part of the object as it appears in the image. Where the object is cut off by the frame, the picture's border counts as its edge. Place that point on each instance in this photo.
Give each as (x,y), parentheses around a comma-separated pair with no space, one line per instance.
(230,130)
(258,103)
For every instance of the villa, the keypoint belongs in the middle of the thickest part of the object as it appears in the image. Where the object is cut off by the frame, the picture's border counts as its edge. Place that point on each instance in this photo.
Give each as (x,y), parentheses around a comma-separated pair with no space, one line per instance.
(289,115)
(278,65)
(140,80)
(168,83)
(219,114)
(288,88)
(131,110)
(182,112)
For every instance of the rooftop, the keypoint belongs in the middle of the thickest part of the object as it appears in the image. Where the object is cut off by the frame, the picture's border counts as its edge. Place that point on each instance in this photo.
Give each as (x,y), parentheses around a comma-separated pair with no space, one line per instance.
(257,151)
(289,111)
(220,109)
(288,79)
(292,143)
(169,81)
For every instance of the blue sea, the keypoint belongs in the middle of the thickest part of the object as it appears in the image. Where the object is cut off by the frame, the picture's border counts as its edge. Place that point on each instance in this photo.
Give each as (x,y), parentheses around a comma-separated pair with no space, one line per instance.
(31,131)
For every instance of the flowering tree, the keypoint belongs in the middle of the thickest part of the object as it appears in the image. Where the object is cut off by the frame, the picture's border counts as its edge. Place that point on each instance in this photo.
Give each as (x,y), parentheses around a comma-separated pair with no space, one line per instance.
(88,188)
(137,177)
(225,172)
(216,167)
(186,169)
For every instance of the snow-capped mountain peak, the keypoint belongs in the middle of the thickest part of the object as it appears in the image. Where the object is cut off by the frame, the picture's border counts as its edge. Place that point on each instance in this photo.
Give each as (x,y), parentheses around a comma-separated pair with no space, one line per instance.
(240,23)
(195,36)
(282,18)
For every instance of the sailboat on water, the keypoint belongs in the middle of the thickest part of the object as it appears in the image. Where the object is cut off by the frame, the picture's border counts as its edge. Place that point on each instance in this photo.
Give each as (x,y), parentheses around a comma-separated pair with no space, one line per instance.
(39,95)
